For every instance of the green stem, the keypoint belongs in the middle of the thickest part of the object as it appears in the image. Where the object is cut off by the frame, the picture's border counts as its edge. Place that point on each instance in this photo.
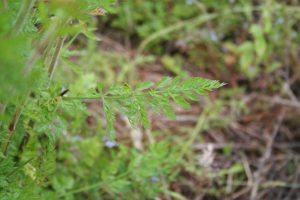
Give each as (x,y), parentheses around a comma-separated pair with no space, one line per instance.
(55,57)
(71,40)
(194,134)
(22,16)
(180,25)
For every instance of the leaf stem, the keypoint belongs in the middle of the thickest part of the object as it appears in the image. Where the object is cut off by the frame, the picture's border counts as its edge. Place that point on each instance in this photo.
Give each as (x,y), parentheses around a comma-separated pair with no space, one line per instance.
(116,97)
(55,57)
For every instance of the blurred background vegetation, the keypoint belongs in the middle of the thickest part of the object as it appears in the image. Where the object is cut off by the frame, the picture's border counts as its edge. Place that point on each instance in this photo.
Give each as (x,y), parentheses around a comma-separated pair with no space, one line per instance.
(240,142)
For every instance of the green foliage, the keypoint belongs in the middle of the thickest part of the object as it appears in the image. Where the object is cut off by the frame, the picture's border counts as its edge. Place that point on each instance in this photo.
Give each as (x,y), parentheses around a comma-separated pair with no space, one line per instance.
(121,172)
(131,101)
(48,151)
(150,16)
(253,32)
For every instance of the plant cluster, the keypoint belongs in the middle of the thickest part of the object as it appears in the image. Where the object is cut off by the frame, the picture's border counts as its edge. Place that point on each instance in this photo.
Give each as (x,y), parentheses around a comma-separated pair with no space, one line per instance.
(47,150)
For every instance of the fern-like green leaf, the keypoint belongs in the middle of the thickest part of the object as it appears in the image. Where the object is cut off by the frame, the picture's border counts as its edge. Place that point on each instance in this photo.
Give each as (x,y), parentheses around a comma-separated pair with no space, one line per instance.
(134,103)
